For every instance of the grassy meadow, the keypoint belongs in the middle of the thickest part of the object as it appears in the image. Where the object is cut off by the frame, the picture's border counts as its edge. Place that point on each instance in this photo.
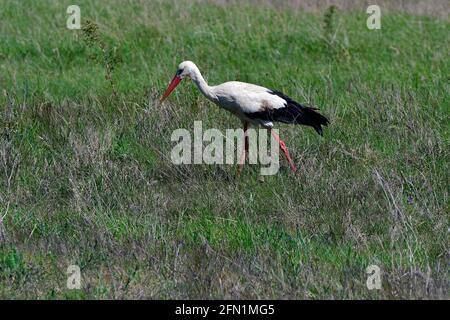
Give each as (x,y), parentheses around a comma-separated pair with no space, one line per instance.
(86,176)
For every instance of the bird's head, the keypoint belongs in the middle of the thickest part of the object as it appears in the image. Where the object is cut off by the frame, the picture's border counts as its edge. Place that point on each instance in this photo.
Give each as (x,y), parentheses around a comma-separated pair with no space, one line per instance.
(185,69)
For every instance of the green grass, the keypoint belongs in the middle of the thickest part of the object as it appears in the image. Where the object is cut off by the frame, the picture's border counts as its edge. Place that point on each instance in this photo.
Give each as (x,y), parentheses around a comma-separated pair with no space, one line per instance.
(86,177)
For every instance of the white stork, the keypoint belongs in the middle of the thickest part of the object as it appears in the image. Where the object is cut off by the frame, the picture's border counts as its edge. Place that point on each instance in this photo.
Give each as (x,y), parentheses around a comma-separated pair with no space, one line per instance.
(252,104)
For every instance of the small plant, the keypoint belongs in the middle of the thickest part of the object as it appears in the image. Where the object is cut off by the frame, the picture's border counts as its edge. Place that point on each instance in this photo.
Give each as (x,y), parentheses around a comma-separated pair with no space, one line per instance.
(12,264)
(108,56)
(335,45)
(329,21)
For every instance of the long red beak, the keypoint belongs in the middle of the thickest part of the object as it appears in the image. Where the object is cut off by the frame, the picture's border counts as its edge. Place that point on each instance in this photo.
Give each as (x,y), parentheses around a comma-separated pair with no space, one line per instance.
(175,81)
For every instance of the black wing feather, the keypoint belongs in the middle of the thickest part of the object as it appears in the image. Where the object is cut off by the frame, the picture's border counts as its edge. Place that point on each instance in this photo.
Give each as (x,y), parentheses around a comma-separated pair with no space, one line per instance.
(293,113)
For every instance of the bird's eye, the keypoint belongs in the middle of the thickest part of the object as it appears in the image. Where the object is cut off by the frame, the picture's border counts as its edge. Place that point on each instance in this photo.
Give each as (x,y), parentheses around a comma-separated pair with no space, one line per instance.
(179,71)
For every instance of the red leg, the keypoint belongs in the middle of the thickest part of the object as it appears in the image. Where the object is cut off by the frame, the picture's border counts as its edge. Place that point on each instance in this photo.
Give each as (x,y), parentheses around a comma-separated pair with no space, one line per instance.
(245,151)
(285,150)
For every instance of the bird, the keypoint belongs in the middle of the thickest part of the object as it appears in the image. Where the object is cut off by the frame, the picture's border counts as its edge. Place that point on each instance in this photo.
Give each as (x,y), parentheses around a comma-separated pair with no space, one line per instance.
(252,104)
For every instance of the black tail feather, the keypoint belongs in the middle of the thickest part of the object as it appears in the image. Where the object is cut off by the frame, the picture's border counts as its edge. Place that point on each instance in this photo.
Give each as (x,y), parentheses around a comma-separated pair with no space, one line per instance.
(298,114)
(310,117)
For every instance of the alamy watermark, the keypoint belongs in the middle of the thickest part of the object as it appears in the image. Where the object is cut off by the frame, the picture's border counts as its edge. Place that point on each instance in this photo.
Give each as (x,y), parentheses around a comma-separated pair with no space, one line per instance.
(191,150)
(74,20)
(374,278)
(374,20)
(73,277)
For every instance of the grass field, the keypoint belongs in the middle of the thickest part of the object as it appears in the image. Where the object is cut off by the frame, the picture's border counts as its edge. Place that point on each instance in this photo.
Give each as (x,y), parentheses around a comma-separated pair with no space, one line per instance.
(86,176)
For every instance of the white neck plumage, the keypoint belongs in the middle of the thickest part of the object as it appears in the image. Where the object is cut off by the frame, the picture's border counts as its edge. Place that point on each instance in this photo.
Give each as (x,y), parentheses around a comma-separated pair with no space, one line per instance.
(198,79)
